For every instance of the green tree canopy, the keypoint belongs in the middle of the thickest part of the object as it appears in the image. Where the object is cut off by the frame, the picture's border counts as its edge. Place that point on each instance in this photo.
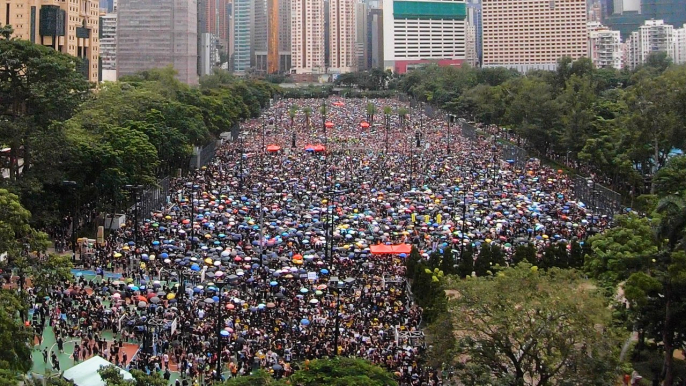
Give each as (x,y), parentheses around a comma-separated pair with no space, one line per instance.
(526,326)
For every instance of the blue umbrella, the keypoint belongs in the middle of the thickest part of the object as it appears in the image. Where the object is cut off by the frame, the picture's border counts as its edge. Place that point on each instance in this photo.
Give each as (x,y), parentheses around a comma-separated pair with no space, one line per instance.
(195,267)
(155,242)
(273,283)
(305,322)
(304,290)
(224,333)
(134,288)
(215,298)
(324,271)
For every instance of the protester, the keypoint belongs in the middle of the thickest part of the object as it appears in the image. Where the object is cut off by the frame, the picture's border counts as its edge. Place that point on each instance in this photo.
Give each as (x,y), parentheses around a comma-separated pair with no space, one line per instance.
(256,222)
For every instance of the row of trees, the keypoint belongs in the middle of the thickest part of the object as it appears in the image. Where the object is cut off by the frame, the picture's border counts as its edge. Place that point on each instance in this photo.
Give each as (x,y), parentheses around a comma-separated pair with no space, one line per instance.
(128,132)
(537,319)
(619,124)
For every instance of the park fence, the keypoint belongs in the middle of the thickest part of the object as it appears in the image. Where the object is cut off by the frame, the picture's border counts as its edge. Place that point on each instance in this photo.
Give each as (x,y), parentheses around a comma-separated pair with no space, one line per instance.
(154,198)
(203,155)
(599,198)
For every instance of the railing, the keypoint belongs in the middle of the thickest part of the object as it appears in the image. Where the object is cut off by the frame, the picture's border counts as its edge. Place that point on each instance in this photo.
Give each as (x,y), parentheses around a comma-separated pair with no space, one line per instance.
(202,156)
(153,198)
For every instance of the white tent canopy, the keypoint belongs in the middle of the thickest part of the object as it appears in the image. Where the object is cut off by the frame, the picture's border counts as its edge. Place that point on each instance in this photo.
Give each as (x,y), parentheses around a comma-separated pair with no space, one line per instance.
(86,373)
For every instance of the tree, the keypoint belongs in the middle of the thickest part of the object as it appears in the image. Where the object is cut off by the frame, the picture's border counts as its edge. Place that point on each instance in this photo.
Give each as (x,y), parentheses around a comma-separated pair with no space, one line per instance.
(258,378)
(447,261)
(482,264)
(54,269)
(292,112)
(113,377)
(17,238)
(671,179)
(308,112)
(38,85)
(531,327)
(371,110)
(466,265)
(342,372)
(15,337)
(648,256)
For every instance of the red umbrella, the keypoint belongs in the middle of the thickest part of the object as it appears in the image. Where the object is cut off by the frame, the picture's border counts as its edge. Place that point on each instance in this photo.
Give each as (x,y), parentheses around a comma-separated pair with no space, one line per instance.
(273,148)
(364,125)
(319,148)
(328,124)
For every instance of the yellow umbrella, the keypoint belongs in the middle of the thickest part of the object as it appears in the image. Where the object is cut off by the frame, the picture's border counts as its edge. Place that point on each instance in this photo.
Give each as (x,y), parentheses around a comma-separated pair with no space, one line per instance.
(117,255)
(126,247)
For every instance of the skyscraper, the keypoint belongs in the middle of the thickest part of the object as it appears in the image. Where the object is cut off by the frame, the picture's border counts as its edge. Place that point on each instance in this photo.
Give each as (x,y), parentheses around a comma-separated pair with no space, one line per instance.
(242,35)
(66,27)
(361,35)
(604,46)
(680,45)
(417,33)
(533,34)
(157,33)
(342,35)
(108,47)
(284,35)
(307,36)
(375,38)
(653,36)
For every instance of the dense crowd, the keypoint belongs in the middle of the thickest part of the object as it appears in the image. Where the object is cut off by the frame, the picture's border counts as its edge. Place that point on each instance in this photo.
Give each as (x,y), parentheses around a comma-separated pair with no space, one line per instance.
(250,230)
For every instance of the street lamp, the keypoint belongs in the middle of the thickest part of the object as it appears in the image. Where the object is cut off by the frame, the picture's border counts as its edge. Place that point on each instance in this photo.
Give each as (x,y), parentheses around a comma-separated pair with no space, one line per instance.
(219,283)
(340,286)
(450,119)
(73,185)
(192,199)
(135,189)
(464,218)
(388,123)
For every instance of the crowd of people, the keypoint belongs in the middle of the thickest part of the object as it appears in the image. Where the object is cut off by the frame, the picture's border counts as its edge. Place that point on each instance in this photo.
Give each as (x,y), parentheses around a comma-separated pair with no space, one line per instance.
(263,259)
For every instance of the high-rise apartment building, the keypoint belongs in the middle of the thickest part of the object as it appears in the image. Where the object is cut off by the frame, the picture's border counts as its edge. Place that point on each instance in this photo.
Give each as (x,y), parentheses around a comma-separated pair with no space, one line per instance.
(375,38)
(653,36)
(361,48)
(242,35)
(157,33)
(215,19)
(342,35)
(69,26)
(307,37)
(604,46)
(680,45)
(533,34)
(108,47)
(474,18)
(470,55)
(284,35)
(417,33)
(627,16)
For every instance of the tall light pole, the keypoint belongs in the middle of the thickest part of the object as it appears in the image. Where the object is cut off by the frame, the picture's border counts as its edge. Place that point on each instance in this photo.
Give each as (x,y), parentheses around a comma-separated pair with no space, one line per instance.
(340,286)
(447,148)
(135,189)
(192,199)
(219,283)
(73,185)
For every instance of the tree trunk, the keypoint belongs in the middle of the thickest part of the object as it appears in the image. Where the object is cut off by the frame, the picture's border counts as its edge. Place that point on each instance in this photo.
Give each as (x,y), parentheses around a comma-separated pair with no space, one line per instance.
(668,341)
(656,160)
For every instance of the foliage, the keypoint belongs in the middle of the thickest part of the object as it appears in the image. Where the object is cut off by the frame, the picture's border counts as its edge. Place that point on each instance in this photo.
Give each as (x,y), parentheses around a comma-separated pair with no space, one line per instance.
(617,124)
(526,326)
(112,377)
(15,337)
(649,255)
(258,378)
(342,372)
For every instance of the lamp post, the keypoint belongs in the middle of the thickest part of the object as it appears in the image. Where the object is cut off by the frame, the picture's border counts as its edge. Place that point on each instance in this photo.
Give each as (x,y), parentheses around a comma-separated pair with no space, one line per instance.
(135,189)
(192,199)
(219,283)
(447,147)
(323,111)
(240,164)
(464,218)
(73,185)
(388,122)
(340,286)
